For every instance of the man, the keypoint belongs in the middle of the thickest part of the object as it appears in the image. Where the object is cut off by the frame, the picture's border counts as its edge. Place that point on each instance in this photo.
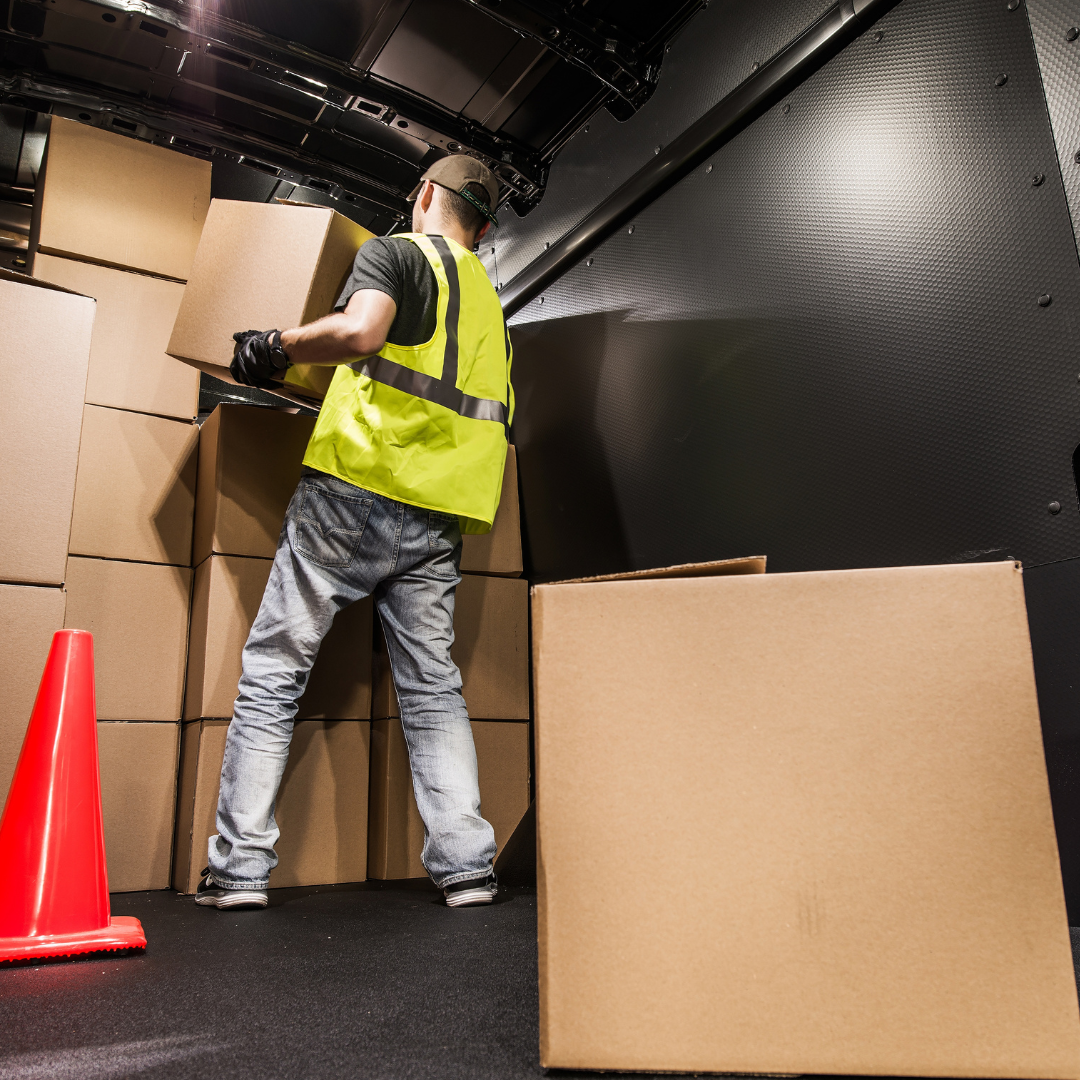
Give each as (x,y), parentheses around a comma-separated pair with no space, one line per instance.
(407,453)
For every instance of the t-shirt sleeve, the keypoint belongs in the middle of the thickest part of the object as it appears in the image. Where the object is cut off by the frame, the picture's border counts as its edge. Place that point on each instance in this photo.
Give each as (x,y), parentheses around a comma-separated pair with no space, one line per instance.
(378,265)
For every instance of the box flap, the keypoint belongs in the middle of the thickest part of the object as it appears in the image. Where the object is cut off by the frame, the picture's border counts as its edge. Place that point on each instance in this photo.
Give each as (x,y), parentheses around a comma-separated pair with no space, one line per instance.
(26,279)
(751,564)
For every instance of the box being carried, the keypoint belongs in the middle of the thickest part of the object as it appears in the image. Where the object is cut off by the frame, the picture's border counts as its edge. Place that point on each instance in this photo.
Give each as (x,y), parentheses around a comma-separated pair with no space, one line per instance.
(264,266)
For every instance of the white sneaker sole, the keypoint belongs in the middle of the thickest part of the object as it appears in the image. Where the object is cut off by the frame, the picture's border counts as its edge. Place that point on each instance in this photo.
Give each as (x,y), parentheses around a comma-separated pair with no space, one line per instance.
(469,897)
(233,898)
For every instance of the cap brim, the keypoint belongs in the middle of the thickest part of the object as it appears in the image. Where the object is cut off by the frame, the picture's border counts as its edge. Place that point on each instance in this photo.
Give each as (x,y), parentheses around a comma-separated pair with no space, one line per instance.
(415,191)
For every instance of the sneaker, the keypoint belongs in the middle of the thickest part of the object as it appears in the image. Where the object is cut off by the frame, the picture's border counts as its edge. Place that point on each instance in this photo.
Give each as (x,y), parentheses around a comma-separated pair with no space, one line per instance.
(477,890)
(210,894)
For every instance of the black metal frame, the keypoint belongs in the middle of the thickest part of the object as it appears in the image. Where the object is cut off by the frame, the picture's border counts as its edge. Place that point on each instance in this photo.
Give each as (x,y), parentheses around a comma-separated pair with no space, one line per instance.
(700,141)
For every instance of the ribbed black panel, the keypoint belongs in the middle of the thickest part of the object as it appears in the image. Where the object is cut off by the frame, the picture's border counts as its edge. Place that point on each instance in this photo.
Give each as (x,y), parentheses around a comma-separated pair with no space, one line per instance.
(826,345)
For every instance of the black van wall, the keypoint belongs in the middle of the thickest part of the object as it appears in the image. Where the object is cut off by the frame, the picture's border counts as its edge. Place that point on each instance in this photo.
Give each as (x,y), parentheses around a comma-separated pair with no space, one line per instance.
(850,339)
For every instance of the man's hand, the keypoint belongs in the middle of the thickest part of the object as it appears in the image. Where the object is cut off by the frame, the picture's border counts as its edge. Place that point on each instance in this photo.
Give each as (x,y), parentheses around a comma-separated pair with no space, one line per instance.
(258,359)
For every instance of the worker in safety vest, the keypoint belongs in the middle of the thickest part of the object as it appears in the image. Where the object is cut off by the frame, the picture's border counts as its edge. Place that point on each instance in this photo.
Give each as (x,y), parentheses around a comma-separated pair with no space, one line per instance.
(407,454)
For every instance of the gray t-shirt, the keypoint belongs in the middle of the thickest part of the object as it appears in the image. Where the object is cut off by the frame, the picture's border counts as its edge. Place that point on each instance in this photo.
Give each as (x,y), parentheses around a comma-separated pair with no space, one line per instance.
(400,269)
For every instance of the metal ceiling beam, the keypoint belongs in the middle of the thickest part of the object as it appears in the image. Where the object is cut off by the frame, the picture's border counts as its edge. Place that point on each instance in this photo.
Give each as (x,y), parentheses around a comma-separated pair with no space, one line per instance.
(291,65)
(628,68)
(730,115)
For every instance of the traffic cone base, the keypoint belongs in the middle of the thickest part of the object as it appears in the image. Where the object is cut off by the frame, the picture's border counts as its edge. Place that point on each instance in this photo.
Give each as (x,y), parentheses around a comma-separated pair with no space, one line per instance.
(123,932)
(54,898)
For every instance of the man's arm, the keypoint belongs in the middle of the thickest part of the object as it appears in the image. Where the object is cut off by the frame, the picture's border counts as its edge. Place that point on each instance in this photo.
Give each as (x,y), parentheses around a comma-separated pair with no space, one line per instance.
(358,331)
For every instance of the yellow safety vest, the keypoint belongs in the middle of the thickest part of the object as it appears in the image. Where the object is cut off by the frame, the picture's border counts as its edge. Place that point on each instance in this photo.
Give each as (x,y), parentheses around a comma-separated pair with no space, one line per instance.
(428,424)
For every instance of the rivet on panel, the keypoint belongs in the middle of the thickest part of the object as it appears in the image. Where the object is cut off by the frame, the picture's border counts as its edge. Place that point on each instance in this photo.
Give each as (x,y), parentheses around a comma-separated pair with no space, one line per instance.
(1001,80)
(708,168)
(1012,5)
(1044,300)
(1037,179)
(787,109)
(630,231)
(755,65)
(878,35)
(656,149)
(1054,507)
(541,299)
(547,244)
(588,261)
(1072,33)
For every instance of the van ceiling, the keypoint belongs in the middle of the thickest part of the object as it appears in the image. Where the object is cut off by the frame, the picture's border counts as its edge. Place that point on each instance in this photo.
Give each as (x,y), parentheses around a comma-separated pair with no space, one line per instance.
(351,98)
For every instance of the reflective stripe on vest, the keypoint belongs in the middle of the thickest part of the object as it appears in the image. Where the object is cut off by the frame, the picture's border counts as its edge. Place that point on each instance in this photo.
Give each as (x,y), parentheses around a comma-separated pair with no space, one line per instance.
(443,390)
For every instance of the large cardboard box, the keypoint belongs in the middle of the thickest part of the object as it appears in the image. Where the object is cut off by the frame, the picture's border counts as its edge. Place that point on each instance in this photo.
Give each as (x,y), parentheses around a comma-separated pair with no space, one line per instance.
(263,266)
(227,594)
(491,649)
(798,823)
(135,493)
(395,831)
(249,465)
(109,199)
(498,551)
(44,352)
(138,614)
(138,765)
(321,809)
(129,368)
(28,619)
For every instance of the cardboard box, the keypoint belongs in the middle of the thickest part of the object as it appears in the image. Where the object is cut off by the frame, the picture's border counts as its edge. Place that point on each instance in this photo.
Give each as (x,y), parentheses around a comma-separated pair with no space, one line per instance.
(798,823)
(491,635)
(499,551)
(138,802)
(138,614)
(227,594)
(44,352)
(129,368)
(249,465)
(321,809)
(113,200)
(395,831)
(135,493)
(28,619)
(264,266)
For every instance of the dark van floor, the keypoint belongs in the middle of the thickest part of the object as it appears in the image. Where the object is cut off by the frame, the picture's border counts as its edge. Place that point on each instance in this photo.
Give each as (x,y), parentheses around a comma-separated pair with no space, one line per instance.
(379,980)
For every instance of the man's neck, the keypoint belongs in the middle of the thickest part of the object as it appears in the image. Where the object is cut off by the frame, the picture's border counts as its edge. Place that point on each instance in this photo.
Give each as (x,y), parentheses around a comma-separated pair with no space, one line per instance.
(451,230)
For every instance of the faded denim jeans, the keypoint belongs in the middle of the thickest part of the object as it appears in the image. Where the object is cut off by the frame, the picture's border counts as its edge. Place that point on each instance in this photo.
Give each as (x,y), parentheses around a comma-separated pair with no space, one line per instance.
(339,544)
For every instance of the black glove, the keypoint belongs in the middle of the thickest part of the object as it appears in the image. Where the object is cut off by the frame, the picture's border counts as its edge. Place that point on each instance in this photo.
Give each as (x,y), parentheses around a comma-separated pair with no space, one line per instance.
(258,359)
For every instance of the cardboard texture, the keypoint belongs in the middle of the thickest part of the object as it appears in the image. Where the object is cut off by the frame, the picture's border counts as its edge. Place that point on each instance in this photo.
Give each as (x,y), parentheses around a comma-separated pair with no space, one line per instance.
(138,614)
(45,331)
(263,266)
(28,619)
(491,635)
(138,802)
(113,200)
(498,551)
(129,368)
(832,787)
(395,831)
(227,594)
(321,808)
(135,493)
(249,465)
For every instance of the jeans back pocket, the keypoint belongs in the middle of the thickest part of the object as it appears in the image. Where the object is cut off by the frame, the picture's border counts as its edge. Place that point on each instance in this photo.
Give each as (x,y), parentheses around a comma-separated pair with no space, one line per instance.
(444,544)
(329,525)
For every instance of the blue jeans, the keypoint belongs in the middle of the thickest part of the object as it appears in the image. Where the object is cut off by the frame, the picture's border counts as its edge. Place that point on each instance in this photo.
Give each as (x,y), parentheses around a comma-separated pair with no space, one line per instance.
(339,544)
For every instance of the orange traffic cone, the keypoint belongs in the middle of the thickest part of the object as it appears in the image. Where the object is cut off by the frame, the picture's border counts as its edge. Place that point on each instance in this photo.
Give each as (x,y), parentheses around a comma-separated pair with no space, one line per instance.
(54,891)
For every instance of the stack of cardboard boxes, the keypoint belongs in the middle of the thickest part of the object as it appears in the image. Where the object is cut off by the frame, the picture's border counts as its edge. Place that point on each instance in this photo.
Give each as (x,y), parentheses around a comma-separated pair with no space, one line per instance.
(44,353)
(249,465)
(120,221)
